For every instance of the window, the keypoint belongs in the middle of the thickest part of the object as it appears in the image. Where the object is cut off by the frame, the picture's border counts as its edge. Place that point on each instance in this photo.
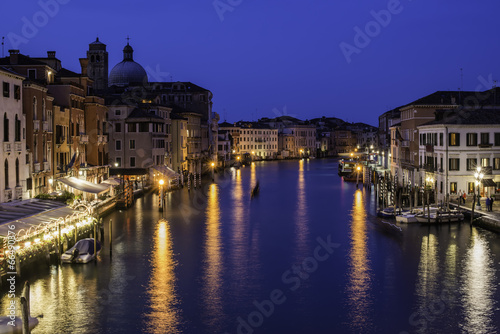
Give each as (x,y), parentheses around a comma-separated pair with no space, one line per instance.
(454,164)
(32,74)
(485,162)
(118,161)
(470,187)
(453,187)
(132,161)
(5,128)
(454,139)
(6,89)
(485,138)
(131,127)
(471,163)
(17,129)
(118,145)
(496,163)
(472,139)
(497,138)
(17,92)
(132,144)
(17,172)
(118,112)
(441,139)
(118,127)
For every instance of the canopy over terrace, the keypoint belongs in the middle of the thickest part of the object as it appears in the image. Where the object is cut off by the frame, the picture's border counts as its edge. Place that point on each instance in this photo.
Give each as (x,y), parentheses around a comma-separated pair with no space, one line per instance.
(30,214)
(84,186)
(165,172)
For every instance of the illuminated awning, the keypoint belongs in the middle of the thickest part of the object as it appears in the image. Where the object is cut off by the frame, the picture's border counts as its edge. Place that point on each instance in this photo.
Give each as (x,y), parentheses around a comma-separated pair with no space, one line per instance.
(83,185)
(112,181)
(166,171)
(489,183)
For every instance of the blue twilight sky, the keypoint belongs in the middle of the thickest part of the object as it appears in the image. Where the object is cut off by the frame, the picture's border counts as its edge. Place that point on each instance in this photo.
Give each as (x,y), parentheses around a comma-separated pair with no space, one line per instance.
(268,58)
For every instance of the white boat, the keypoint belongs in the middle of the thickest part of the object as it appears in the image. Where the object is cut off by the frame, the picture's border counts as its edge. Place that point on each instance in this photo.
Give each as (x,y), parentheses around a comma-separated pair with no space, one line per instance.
(81,252)
(407,218)
(5,328)
(441,217)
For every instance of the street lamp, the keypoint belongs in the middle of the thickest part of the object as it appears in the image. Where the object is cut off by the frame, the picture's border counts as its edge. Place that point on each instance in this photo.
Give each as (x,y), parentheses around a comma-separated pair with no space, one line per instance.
(213,166)
(161,194)
(479,177)
(430,180)
(358,169)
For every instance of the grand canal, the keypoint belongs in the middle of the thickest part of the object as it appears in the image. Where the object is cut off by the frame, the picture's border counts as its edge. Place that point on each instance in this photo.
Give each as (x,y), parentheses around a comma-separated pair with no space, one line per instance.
(305,256)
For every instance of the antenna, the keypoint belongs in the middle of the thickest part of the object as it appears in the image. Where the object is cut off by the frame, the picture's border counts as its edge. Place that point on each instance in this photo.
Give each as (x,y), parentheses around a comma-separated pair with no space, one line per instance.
(461,79)
(3,39)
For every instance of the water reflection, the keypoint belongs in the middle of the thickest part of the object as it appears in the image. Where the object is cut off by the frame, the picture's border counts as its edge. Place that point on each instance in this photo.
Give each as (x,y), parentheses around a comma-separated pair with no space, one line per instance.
(428,272)
(301,221)
(359,274)
(478,287)
(212,287)
(164,315)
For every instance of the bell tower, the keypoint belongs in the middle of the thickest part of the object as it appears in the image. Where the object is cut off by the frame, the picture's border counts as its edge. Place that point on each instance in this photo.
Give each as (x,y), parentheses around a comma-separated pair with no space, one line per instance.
(97,65)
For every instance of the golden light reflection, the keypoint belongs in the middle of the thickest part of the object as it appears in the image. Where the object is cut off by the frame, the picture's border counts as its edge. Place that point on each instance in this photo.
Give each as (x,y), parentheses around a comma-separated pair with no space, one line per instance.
(428,272)
(301,221)
(163,317)
(212,295)
(478,287)
(359,281)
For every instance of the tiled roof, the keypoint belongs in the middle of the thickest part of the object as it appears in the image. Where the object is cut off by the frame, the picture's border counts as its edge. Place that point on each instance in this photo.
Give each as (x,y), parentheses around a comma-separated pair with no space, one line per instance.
(468,117)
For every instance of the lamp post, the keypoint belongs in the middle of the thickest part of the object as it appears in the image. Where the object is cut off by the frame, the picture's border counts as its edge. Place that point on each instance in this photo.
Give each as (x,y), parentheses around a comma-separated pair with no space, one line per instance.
(479,177)
(358,169)
(430,180)
(238,159)
(161,194)
(213,166)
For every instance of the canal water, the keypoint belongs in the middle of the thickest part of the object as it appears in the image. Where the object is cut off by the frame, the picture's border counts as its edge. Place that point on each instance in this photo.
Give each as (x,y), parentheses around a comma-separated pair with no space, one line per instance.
(304,256)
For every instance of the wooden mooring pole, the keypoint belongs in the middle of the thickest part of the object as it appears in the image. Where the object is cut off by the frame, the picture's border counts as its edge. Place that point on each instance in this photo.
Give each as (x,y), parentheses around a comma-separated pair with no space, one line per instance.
(25,315)
(110,232)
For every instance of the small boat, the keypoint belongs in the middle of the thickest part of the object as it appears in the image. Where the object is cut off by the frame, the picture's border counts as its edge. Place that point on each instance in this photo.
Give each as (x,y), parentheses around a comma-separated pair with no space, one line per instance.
(5,328)
(81,252)
(440,217)
(346,168)
(255,190)
(407,218)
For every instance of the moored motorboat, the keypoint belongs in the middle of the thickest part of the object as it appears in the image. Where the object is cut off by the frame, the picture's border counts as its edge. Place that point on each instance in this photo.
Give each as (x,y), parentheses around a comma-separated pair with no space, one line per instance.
(440,217)
(81,252)
(407,218)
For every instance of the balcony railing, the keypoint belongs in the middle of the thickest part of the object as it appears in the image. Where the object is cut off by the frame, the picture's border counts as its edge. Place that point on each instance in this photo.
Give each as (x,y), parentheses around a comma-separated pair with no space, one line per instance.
(429,168)
(18,147)
(429,148)
(7,147)
(8,195)
(19,192)
(60,140)
(36,125)
(84,139)
(37,167)
(102,139)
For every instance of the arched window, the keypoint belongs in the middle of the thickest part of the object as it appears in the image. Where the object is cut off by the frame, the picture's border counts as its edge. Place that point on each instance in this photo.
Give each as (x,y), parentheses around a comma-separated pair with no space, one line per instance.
(17,172)
(18,129)
(6,174)
(5,127)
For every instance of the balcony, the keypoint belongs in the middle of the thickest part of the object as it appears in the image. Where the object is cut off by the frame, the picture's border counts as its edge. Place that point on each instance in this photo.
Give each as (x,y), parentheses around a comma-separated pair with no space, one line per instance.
(19,192)
(84,139)
(46,165)
(102,139)
(7,195)
(37,167)
(429,168)
(18,147)
(36,125)
(45,126)
(7,147)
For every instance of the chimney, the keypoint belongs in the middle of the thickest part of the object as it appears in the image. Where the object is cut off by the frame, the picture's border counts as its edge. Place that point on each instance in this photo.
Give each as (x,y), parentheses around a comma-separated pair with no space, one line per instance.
(51,54)
(14,56)
(83,63)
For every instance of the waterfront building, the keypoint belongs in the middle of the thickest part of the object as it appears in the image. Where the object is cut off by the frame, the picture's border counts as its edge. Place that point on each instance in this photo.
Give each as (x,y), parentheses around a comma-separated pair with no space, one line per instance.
(453,145)
(304,139)
(257,139)
(233,132)
(179,142)
(38,110)
(385,121)
(345,140)
(13,151)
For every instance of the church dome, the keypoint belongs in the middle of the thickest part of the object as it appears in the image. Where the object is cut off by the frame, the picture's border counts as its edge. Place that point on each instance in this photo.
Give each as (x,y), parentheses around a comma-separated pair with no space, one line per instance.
(127,71)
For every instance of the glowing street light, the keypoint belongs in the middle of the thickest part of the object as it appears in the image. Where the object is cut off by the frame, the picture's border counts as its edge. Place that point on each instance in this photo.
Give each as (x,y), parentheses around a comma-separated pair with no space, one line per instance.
(478,175)
(161,182)
(213,166)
